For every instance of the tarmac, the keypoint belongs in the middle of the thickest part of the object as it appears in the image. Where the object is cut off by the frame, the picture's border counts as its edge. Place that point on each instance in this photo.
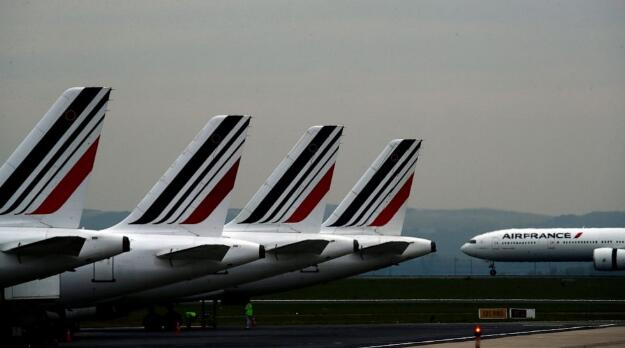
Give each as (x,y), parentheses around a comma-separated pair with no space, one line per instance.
(375,335)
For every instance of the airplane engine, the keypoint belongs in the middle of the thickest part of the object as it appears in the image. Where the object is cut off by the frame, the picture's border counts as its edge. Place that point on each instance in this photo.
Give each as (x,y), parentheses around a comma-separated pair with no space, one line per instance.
(609,259)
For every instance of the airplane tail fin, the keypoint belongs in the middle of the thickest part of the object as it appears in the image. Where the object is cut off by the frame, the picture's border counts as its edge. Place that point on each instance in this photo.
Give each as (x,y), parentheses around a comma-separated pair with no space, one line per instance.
(44,182)
(377,203)
(193,195)
(292,198)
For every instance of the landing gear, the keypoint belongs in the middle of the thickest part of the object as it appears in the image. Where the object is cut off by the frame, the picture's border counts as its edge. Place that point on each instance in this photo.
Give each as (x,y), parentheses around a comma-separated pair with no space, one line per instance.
(209,318)
(172,319)
(152,321)
(493,271)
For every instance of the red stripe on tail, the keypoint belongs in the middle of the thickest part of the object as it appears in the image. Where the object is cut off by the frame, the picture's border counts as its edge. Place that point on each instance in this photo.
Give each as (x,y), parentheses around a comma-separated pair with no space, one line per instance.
(69,183)
(393,206)
(313,198)
(214,198)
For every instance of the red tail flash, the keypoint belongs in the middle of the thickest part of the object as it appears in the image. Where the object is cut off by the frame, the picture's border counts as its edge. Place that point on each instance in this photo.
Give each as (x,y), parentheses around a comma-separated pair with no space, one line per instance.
(214,198)
(313,198)
(69,183)
(393,206)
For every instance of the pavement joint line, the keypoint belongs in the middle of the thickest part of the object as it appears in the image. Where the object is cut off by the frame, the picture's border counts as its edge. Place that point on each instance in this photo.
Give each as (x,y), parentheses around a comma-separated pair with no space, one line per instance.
(505,334)
(443,340)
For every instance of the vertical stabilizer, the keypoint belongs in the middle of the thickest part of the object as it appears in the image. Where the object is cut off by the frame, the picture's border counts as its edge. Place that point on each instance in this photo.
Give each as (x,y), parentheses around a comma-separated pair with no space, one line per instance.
(193,196)
(377,203)
(44,182)
(293,197)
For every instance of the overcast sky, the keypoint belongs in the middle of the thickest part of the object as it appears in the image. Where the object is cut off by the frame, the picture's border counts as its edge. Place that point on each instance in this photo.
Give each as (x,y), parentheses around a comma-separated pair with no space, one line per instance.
(521,104)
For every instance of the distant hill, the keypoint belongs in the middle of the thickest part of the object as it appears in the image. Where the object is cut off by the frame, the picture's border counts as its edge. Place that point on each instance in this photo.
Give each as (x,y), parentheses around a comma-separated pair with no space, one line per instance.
(595,219)
(97,219)
(450,229)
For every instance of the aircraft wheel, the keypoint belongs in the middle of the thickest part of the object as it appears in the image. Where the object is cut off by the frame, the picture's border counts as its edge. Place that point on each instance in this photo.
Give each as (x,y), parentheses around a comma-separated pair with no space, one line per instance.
(152,321)
(493,272)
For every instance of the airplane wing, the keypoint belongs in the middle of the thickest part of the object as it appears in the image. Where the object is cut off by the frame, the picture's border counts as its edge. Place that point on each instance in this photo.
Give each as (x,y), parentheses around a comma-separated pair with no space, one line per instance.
(214,252)
(308,246)
(397,248)
(62,245)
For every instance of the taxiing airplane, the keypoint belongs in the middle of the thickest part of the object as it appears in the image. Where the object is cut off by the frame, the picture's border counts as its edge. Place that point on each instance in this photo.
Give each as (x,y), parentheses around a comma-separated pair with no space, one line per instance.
(605,247)
(42,193)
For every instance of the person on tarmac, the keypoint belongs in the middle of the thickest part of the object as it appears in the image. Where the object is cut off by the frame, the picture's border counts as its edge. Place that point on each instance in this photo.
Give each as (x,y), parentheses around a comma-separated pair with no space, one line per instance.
(249,315)
(189,317)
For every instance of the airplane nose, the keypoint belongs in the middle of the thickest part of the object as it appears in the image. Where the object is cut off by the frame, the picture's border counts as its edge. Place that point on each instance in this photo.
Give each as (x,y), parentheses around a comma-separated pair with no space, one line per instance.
(469,249)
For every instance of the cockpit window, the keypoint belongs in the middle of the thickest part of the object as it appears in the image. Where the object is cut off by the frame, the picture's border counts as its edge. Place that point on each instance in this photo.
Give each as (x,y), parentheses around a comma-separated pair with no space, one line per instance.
(472,241)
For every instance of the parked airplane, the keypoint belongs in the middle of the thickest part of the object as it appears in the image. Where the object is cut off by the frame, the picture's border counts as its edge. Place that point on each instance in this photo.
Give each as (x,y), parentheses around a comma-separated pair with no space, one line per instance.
(42,192)
(605,247)
(176,229)
(372,213)
(285,216)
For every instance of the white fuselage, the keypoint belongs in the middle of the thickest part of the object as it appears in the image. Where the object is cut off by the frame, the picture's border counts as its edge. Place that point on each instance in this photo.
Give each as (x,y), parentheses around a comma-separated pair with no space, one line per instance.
(16,268)
(553,244)
(345,266)
(141,269)
(271,265)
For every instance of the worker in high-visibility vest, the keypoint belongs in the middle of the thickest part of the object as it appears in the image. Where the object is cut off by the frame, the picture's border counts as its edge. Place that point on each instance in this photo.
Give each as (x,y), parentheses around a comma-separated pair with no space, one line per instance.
(249,315)
(189,318)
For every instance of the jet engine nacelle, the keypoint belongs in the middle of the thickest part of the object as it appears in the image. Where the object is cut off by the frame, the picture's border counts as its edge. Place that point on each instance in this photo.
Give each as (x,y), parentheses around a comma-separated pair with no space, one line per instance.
(609,259)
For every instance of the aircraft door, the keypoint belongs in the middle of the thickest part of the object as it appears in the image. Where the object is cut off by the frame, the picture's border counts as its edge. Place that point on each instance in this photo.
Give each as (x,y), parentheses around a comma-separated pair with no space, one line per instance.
(104,270)
(552,244)
(495,243)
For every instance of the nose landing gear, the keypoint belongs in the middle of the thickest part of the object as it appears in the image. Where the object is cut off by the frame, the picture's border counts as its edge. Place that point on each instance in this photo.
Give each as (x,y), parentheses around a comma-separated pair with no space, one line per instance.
(493,271)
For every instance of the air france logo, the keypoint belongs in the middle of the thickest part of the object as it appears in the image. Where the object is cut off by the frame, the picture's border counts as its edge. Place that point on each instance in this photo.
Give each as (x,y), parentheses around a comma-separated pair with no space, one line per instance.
(550,235)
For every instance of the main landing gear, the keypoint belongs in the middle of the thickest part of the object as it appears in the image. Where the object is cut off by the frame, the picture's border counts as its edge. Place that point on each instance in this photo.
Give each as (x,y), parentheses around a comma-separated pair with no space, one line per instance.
(493,271)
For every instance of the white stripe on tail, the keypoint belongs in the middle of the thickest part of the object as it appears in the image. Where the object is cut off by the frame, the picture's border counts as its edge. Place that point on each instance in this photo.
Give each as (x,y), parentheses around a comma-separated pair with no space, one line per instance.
(193,196)
(43,183)
(377,203)
(293,197)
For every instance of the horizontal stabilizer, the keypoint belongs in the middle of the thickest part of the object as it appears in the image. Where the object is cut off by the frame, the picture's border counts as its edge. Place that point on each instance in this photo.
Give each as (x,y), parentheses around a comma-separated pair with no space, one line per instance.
(396,248)
(68,245)
(308,246)
(215,252)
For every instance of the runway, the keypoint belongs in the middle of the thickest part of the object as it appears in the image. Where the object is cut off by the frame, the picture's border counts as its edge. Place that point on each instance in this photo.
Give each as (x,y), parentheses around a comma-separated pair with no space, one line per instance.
(399,335)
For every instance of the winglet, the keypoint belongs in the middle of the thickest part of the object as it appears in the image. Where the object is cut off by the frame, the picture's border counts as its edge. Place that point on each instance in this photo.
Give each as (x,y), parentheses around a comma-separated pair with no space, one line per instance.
(193,195)
(377,203)
(293,197)
(43,183)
